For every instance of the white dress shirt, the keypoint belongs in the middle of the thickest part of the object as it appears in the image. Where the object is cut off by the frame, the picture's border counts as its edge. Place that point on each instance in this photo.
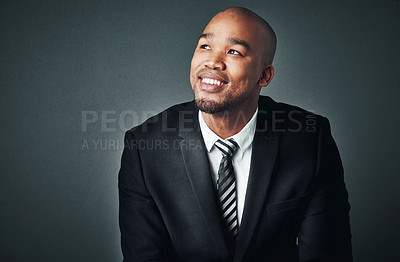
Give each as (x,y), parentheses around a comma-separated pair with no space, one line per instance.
(241,158)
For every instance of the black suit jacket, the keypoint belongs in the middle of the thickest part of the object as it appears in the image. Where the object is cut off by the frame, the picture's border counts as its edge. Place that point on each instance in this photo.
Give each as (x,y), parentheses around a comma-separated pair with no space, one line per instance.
(296,206)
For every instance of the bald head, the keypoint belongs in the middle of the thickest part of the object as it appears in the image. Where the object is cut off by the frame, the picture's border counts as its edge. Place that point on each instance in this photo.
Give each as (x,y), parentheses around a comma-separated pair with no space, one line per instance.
(268,34)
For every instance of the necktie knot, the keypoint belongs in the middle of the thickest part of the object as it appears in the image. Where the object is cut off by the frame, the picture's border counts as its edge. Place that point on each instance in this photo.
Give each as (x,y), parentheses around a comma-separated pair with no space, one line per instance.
(227,147)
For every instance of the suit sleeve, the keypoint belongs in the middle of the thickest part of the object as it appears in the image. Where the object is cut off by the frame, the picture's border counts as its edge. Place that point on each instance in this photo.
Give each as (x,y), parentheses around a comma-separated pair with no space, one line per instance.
(144,236)
(325,230)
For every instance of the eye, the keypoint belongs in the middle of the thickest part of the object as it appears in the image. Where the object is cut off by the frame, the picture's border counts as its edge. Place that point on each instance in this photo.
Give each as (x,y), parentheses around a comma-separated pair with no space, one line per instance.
(205,47)
(234,52)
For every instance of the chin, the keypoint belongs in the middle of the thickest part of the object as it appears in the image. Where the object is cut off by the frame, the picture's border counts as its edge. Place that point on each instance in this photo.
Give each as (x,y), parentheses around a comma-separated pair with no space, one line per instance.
(213,107)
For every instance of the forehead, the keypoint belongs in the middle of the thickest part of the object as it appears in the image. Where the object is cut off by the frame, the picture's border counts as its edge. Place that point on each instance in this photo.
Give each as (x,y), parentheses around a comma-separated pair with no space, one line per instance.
(230,25)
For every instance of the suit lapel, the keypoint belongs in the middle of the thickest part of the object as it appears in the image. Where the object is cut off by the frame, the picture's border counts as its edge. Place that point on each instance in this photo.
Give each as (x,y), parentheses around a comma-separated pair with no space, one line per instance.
(265,147)
(198,171)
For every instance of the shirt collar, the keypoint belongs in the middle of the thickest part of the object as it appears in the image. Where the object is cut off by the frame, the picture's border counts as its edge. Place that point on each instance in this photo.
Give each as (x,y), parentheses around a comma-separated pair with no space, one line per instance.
(244,138)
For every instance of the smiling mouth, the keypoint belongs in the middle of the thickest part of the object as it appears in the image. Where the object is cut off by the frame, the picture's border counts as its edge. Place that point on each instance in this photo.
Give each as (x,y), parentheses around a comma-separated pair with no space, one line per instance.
(212,82)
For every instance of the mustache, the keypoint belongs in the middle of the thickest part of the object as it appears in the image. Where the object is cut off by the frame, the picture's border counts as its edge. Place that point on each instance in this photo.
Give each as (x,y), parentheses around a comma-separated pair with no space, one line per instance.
(219,74)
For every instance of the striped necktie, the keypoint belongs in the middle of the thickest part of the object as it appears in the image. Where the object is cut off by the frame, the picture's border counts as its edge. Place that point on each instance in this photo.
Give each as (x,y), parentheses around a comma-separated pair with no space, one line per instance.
(226,187)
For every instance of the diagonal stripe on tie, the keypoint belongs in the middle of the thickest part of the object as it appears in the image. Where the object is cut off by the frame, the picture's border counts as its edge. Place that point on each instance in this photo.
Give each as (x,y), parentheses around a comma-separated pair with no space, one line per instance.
(224,187)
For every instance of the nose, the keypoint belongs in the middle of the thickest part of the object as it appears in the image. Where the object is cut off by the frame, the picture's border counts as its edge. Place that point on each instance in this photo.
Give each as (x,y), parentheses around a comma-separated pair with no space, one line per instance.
(215,61)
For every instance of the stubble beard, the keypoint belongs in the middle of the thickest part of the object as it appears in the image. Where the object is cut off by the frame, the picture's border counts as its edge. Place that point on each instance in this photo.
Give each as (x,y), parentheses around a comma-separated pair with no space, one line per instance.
(221,109)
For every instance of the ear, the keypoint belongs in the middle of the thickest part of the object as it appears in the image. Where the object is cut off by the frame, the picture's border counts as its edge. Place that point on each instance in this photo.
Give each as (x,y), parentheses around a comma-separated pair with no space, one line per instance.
(266,75)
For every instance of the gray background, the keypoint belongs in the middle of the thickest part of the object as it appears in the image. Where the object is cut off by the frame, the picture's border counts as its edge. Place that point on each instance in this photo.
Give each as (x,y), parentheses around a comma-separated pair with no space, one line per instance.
(61,61)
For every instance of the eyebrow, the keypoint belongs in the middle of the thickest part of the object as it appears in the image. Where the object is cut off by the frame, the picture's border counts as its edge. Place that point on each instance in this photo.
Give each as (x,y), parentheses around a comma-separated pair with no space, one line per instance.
(234,41)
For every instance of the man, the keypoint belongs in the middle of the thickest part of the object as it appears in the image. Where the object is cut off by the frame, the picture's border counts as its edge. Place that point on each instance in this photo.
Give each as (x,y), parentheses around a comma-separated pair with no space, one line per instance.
(233,176)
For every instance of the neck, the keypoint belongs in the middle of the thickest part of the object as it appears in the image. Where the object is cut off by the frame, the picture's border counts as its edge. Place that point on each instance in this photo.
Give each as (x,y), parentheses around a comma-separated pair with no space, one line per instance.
(229,123)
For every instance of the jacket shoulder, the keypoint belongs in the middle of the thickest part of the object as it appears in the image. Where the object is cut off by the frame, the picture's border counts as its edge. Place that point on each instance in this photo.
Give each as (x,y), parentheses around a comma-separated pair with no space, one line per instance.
(266,103)
(284,117)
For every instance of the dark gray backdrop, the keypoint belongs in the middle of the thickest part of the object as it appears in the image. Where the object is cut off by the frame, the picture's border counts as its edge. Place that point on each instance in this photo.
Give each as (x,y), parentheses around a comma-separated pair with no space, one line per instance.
(76,74)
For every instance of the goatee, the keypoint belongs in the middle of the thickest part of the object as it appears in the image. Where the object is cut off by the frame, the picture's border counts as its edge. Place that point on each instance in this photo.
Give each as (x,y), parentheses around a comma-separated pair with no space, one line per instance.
(218,109)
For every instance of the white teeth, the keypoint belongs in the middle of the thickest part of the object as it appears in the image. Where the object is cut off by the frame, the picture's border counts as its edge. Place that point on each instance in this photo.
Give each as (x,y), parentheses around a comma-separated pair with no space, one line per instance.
(211,81)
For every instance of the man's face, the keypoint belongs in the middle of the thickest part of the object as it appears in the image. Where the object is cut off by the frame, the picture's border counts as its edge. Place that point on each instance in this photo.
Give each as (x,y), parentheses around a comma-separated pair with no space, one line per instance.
(227,65)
